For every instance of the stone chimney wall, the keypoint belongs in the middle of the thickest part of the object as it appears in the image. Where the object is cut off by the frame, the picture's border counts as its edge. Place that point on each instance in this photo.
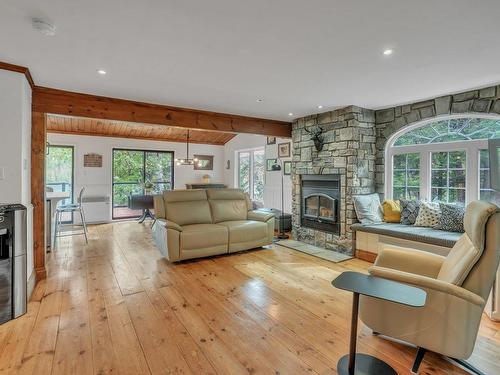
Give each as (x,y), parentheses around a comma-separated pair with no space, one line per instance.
(349,150)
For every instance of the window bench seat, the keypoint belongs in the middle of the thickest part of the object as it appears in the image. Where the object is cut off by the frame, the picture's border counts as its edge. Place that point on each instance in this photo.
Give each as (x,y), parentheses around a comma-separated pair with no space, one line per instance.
(368,239)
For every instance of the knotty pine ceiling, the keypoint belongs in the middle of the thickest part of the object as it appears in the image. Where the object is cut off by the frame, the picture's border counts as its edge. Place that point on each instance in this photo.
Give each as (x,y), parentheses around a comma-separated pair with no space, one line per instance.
(121,129)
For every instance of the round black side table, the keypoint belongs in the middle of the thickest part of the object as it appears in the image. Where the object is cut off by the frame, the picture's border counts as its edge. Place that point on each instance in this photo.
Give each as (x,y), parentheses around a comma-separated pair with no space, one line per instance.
(376,287)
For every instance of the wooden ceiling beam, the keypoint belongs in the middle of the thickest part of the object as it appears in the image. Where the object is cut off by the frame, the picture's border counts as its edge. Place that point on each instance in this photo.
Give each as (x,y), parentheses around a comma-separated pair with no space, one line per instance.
(53,101)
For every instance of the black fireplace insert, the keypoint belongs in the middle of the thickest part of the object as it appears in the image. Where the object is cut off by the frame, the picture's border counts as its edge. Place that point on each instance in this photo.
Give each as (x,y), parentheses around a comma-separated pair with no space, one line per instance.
(320,196)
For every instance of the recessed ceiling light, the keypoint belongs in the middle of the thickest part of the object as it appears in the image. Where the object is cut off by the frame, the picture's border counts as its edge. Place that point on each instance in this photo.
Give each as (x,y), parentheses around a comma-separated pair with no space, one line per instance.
(290,114)
(43,27)
(101,72)
(388,52)
(320,106)
(260,100)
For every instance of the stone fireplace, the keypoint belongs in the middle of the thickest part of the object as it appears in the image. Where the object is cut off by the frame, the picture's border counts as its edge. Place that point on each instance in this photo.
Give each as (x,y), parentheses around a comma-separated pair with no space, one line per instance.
(345,166)
(320,202)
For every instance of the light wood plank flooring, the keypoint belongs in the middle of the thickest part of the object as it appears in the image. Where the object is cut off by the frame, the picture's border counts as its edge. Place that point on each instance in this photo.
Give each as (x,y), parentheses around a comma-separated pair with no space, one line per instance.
(115,306)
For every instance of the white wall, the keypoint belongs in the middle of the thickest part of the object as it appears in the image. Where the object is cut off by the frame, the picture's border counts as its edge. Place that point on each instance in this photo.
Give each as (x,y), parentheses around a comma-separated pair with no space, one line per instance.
(15,139)
(15,147)
(272,188)
(97,181)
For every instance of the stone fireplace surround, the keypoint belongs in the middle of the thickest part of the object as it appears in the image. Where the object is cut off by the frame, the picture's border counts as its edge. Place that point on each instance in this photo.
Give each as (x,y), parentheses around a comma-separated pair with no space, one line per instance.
(354,145)
(348,151)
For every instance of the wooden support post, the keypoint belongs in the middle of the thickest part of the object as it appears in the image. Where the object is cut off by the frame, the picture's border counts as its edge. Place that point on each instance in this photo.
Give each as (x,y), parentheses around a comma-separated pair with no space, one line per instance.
(38,145)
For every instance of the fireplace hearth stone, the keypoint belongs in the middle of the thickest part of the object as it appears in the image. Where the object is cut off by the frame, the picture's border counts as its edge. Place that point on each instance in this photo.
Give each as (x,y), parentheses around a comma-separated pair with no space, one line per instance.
(316,251)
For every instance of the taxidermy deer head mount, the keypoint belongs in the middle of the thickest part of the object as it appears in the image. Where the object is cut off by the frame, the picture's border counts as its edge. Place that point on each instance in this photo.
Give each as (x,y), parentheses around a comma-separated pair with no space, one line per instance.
(317,138)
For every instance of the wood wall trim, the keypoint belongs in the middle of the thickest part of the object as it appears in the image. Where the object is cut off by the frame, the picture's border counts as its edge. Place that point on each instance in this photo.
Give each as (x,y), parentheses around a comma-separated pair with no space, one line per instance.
(38,142)
(19,69)
(366,255)
(47,100)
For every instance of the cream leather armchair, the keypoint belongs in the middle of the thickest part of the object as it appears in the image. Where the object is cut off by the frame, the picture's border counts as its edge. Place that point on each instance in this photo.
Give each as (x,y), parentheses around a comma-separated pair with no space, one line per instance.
(457,288)
(199,223)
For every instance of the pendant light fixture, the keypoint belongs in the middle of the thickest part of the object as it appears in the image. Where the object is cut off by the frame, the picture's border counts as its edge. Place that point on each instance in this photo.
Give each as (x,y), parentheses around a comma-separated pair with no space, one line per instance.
(187,160)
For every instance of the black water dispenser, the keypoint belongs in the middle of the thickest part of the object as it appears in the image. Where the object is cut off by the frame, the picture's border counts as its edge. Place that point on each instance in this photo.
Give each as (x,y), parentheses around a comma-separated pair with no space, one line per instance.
(13,245)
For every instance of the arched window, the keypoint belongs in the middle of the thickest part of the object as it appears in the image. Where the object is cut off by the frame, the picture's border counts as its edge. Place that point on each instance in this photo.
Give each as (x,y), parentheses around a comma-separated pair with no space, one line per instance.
(443,159)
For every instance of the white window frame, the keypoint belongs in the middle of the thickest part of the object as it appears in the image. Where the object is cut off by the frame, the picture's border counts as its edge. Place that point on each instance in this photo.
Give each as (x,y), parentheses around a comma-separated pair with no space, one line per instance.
(251,169)
(471,148)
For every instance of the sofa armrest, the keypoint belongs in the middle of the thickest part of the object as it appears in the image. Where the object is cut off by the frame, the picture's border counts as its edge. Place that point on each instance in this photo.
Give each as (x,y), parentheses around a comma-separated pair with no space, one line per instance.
(171,225)
(409,260)
(427,283)
(259,216)
(167,224)
(159,206)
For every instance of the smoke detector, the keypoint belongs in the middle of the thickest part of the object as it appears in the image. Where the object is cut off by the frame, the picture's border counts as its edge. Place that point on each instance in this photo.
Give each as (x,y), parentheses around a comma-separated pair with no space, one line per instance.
(43,27)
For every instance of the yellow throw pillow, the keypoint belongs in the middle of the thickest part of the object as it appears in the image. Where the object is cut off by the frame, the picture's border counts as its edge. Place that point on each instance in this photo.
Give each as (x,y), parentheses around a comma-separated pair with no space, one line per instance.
(392,211)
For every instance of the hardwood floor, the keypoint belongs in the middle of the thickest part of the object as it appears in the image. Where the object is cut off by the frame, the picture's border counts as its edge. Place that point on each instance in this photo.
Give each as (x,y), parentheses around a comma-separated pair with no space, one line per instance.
(115,306)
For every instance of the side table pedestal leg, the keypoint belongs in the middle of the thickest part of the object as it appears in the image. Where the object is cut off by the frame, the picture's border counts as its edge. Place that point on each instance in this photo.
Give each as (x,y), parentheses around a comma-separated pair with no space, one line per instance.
(357,363)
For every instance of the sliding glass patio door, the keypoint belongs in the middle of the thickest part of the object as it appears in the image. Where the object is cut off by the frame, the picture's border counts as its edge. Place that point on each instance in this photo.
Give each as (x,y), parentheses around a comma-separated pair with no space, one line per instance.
(133,170)
(59,174)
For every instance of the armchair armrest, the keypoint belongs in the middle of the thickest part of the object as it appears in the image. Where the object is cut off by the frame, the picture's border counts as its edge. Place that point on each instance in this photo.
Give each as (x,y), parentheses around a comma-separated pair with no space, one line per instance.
(259,216)
(427,283)
(159,206)
(408,260)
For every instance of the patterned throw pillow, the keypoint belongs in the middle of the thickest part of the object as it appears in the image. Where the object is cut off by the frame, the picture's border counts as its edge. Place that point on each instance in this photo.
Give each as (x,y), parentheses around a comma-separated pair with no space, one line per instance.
(409,211)
(428,214)
(452,218)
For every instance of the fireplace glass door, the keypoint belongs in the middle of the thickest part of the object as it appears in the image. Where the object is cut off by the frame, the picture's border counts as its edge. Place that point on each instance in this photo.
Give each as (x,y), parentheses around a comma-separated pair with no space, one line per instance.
(320,207)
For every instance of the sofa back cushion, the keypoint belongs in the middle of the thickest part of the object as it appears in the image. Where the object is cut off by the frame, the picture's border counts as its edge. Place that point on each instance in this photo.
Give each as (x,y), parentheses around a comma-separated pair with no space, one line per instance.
(228,204)
(186,207)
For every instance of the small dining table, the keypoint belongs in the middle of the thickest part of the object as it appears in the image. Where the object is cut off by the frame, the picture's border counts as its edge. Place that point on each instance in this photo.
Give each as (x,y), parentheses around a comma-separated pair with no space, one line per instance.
(142,202)
(52,198)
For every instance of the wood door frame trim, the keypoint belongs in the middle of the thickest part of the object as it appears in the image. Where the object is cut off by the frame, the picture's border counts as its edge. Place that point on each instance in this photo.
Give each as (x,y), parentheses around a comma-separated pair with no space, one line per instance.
(38,145)
(19,69)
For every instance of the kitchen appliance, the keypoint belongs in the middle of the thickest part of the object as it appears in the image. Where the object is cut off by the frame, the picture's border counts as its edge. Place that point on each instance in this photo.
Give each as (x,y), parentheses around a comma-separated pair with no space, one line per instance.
(13,261)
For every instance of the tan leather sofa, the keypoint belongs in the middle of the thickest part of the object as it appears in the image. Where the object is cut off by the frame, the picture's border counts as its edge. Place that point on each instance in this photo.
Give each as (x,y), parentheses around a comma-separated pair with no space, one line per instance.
(457,288)
(200,223)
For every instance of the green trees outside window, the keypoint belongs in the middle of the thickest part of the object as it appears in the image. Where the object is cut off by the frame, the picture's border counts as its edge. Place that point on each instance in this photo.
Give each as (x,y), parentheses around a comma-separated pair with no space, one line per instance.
(251,172)
(134,171)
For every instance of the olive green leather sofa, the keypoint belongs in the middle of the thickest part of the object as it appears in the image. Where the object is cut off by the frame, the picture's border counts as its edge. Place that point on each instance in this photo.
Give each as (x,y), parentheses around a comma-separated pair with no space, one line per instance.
(205,222)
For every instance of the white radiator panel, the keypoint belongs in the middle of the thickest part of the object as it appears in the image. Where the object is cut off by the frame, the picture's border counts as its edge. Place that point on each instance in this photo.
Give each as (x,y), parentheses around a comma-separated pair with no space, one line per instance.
(97,210)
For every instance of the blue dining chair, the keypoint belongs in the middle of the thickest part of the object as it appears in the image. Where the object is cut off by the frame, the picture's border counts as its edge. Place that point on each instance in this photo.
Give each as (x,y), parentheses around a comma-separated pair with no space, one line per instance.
(73,207)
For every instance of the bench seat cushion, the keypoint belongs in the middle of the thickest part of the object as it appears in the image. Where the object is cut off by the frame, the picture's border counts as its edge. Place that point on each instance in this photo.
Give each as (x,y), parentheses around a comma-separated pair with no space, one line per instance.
(410,232)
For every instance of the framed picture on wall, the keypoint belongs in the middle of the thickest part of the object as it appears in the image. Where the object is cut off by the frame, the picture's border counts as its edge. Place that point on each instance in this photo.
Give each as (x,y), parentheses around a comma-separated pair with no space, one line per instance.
(270,163)
(284,150)
(271,140)
(205,163)
(287,168)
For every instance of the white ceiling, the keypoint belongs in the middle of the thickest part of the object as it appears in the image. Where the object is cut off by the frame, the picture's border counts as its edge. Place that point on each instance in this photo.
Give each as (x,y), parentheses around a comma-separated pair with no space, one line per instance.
(222,55)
